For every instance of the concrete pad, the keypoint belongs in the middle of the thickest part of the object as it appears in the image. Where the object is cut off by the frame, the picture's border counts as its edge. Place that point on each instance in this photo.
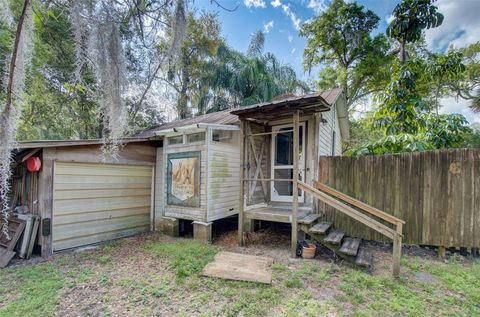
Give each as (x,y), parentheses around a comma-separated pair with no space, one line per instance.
(240,267)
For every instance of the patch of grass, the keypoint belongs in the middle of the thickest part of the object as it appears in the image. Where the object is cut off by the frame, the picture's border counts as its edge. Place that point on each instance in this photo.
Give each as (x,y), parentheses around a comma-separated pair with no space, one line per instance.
(103,259)
(278,266)
(186,257)
(293,282)
(37,289)
(251,300)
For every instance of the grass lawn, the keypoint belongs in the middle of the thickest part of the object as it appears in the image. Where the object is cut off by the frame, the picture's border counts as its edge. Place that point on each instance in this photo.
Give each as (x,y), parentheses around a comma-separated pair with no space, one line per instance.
(154,275)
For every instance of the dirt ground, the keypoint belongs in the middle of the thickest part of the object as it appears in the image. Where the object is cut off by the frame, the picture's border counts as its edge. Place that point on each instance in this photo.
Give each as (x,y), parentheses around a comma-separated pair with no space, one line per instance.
(156,275)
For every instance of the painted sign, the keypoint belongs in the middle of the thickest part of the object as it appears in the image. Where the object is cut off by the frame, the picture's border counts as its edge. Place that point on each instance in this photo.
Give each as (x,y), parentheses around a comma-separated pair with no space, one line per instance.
(183,179)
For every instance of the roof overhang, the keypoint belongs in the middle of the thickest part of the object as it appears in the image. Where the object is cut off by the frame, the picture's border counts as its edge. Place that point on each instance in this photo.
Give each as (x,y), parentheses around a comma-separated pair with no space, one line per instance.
(193,128)
(306,104)
(63,143)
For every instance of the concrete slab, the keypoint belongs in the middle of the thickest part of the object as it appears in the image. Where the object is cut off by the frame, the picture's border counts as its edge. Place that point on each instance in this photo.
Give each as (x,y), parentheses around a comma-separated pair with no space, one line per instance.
(240,267)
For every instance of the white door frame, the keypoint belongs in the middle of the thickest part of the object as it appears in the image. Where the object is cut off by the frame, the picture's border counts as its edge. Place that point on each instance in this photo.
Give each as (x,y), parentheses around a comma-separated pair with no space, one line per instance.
(301,164)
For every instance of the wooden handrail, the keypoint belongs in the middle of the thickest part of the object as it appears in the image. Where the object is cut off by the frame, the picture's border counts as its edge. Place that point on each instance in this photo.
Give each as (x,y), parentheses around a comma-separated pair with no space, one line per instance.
(349,211)
(357,203)
(396,235)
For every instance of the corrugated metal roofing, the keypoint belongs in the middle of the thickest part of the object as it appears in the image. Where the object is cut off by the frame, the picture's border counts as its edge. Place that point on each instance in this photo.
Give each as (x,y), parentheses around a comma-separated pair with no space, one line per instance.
(221,117)
(226,116)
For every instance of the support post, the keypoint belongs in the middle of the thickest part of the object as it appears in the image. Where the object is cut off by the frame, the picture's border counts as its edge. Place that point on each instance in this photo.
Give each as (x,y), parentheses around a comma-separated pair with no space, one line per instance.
(202,231)
(441,253)
(241,206)
(397,250)
(296,154)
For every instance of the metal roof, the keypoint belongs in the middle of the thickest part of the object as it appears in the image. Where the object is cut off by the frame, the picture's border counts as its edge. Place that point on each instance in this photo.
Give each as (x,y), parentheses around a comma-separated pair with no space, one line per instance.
(61,143)
(229,116)
(221,117)
(309,103)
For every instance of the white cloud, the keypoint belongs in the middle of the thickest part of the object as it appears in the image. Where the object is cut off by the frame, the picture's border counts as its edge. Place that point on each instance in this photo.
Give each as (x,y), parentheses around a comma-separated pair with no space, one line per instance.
(458,105)
(267,27)
(276,3)
(293,51)
(290,38)
(318,6)
(460,27)
(389,18)
(254,3)
(293,17)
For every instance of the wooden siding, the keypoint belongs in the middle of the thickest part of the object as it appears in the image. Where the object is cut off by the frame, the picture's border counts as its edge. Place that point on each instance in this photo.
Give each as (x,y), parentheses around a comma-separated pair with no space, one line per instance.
(223,176)
(99,202)
(437,193)
(129,154)
(159,186)
(189,213)
(325,139)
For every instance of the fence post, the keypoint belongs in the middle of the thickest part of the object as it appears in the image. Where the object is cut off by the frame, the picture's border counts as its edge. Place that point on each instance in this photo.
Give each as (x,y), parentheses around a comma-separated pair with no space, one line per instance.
(397,250)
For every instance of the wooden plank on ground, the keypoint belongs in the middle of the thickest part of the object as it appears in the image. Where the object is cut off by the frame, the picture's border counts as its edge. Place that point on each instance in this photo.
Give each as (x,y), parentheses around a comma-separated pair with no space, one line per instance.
(5,257)
(240,267)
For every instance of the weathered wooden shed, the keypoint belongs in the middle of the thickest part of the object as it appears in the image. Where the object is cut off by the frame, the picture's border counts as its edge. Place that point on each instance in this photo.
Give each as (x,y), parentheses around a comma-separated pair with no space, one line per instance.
(213,141)
(185,170)
(84,198)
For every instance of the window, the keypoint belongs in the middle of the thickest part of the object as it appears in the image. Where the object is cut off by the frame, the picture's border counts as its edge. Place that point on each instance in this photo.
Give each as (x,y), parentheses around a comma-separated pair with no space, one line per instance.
(196,137)
(225,136)
(175,140)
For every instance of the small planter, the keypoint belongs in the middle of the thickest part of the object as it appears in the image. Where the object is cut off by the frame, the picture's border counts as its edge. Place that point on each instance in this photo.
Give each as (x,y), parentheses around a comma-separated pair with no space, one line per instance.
(308,252)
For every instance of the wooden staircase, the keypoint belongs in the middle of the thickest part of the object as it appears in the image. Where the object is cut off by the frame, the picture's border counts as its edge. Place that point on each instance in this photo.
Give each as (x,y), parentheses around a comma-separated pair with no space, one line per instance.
(347,248)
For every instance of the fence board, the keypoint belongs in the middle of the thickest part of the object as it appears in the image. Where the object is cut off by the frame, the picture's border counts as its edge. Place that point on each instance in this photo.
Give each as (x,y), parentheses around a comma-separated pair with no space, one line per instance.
(437,193)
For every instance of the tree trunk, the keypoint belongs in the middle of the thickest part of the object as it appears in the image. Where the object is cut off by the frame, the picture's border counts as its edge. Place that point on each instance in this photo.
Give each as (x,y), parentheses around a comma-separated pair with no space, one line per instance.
(8,99)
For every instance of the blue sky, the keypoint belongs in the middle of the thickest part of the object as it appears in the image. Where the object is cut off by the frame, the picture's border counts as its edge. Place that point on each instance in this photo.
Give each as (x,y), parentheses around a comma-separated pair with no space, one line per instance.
(281,20)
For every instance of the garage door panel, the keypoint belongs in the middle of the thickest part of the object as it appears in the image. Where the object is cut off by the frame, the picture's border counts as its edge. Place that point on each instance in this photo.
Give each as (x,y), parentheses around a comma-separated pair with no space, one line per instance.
(103,170)
(79,186)
(79,230)
(94,179)
(98,202)
(86,240)
(66,219)
(101,193)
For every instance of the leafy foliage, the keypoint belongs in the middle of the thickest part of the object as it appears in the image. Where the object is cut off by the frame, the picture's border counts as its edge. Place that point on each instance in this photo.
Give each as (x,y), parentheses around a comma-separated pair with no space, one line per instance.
(410,18)
(340,40)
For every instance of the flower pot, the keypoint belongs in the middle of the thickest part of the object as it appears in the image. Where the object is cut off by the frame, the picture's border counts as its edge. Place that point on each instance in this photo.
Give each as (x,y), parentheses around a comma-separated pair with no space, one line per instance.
(309,252)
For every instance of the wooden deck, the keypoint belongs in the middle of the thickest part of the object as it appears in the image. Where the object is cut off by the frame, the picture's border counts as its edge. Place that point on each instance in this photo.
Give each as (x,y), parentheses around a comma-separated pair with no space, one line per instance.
(276,213)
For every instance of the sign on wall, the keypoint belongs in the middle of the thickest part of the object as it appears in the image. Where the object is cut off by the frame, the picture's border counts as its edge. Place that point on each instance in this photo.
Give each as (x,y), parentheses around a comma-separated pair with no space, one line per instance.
(183,179)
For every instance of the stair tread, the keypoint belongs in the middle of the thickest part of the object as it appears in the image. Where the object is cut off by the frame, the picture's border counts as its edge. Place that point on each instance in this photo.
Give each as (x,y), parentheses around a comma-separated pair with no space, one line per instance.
(309,219)
(364,258)
(320,228)
(334,237)
(350,246)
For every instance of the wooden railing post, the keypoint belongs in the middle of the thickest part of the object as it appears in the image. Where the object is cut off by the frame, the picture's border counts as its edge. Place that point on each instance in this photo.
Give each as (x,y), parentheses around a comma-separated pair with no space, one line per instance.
(296,154)
(241,205)
(397,250)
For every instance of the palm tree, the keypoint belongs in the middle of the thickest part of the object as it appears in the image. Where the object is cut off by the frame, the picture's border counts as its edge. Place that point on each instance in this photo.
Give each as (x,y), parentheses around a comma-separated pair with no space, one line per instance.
(235,79)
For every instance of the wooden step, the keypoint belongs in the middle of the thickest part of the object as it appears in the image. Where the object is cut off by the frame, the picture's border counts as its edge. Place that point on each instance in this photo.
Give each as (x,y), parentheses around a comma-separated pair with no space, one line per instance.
(320,228)
(350,246)
(334,237)
(309,219)
(364,258)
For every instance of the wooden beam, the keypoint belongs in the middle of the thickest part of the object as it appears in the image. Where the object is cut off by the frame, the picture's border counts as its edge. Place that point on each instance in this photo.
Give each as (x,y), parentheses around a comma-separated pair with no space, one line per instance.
(268,179)
(268,133)
(397,250)
(357,203)
(243,124)
(349,211)
(296,157)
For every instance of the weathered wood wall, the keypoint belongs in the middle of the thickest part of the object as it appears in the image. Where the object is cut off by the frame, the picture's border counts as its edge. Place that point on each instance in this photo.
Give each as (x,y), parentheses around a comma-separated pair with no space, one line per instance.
(437,193)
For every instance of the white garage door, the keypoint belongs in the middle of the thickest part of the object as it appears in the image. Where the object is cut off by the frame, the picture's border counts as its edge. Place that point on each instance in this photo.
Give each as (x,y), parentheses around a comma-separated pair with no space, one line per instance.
(99,202)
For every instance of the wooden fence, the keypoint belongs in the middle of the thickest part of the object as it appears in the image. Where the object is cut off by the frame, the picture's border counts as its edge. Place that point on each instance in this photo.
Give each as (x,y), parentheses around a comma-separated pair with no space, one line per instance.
(437,193)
